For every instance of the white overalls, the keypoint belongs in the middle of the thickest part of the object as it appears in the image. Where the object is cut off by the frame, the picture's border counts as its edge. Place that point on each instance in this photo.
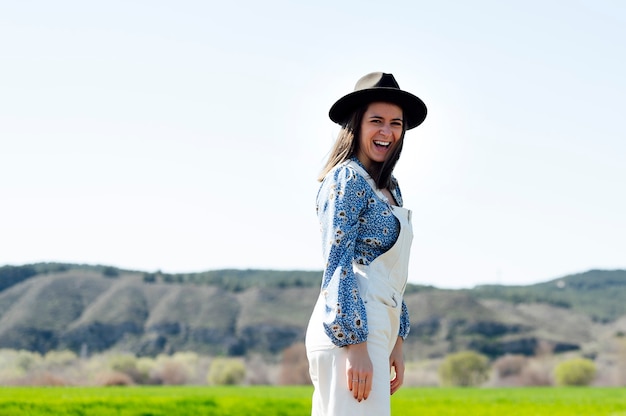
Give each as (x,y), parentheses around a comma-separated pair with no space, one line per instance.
(381,285)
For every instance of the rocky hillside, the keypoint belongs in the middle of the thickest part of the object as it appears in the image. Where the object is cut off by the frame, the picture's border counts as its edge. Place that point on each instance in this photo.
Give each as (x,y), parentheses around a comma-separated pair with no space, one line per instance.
(45,307)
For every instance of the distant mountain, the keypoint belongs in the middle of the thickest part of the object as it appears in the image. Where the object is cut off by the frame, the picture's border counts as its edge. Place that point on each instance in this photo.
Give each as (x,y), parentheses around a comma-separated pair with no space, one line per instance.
(55,306)
(601,294)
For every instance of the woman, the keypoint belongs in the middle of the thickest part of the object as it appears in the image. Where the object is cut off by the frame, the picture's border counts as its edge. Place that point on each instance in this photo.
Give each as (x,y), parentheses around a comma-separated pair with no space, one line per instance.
(355,334)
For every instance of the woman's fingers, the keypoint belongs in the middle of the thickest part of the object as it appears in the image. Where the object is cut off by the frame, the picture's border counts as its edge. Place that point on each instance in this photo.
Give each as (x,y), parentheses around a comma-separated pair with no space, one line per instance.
(398,380)
(368,388)
(360,386)
(395,385)
(361,390)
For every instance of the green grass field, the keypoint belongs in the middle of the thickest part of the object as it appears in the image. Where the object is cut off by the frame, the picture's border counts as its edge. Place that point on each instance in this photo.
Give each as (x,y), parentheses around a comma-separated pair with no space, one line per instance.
(295,401)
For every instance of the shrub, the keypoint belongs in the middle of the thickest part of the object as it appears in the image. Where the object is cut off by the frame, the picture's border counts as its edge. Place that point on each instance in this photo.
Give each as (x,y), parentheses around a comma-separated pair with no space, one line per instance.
(258,371)
(124,363)
(295,366)
(176,369)
(173,373)
(575,372)
(145,367)
(110,272)
(226,371)
(466,368)
(421,373)
(7,357)
(188,358)
(27,360)
(169,371)
(190,362)
(509,365)
(57,359)
(114,378)
(538,372)
(47,379)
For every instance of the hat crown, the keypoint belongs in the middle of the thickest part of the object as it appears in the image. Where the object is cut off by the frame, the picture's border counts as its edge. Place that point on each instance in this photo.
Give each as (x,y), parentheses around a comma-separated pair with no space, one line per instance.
(376,80)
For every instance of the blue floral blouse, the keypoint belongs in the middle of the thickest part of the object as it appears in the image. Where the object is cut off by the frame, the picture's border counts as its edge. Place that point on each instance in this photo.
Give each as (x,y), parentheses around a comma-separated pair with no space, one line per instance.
(357,225)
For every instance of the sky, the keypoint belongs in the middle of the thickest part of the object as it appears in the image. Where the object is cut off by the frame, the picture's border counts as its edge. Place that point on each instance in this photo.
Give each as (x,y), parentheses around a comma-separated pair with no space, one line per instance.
(186,136)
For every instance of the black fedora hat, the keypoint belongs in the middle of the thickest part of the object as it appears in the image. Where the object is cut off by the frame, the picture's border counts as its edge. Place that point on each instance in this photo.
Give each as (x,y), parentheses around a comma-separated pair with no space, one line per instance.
(379,86)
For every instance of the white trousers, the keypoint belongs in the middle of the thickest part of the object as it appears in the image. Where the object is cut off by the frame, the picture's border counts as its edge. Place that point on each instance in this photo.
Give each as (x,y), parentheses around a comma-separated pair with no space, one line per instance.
(381,286)
(327,365)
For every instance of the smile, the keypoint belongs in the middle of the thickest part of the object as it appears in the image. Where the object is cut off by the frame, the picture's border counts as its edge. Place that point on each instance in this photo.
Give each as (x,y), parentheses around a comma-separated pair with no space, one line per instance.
(379,143)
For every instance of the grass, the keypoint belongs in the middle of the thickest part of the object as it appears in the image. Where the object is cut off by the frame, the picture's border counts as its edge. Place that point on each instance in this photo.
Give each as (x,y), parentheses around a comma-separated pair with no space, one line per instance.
(295,401)
(154,401)
(521,401)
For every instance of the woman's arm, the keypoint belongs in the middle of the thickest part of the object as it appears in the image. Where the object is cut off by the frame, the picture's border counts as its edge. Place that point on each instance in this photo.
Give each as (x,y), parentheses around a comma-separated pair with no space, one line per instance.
(341,201)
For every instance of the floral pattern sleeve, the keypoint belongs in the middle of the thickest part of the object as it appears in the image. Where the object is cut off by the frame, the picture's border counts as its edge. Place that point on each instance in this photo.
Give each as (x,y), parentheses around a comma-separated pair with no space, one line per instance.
(341,201)
(405,325)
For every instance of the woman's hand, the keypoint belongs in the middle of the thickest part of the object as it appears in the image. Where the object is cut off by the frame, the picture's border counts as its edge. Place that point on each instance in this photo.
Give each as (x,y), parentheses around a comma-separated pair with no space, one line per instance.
(396,362)
(359,371)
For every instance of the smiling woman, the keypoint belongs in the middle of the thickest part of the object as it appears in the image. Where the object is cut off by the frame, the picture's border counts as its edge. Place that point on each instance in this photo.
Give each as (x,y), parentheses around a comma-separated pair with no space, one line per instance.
(355,334)
(381,130)
(381,136)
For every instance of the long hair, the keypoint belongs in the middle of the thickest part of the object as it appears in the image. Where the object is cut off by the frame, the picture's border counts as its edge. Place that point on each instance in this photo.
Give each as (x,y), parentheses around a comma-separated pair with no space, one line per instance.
(347,146)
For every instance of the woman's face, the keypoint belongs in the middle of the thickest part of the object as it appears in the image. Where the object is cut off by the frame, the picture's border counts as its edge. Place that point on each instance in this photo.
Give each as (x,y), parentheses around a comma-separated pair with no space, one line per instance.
(381,130)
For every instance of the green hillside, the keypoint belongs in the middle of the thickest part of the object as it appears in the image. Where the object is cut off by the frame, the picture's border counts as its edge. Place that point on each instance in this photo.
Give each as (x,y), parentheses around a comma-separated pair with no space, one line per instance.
(236,312)
(599,293)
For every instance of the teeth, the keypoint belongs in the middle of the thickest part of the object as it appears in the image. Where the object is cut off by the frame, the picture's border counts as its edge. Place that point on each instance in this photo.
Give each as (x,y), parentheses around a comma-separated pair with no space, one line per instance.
(381,143)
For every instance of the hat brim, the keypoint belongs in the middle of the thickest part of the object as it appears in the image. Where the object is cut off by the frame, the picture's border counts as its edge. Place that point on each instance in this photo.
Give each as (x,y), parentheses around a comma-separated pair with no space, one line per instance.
(413,108)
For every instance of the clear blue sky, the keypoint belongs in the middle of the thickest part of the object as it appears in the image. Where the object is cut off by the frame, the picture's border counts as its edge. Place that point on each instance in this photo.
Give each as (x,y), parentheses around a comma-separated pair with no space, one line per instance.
(187,136)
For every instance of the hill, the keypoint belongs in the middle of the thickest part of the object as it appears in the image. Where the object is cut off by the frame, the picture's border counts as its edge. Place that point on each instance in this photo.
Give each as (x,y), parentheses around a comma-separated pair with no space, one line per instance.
(96,308)
(597,293)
